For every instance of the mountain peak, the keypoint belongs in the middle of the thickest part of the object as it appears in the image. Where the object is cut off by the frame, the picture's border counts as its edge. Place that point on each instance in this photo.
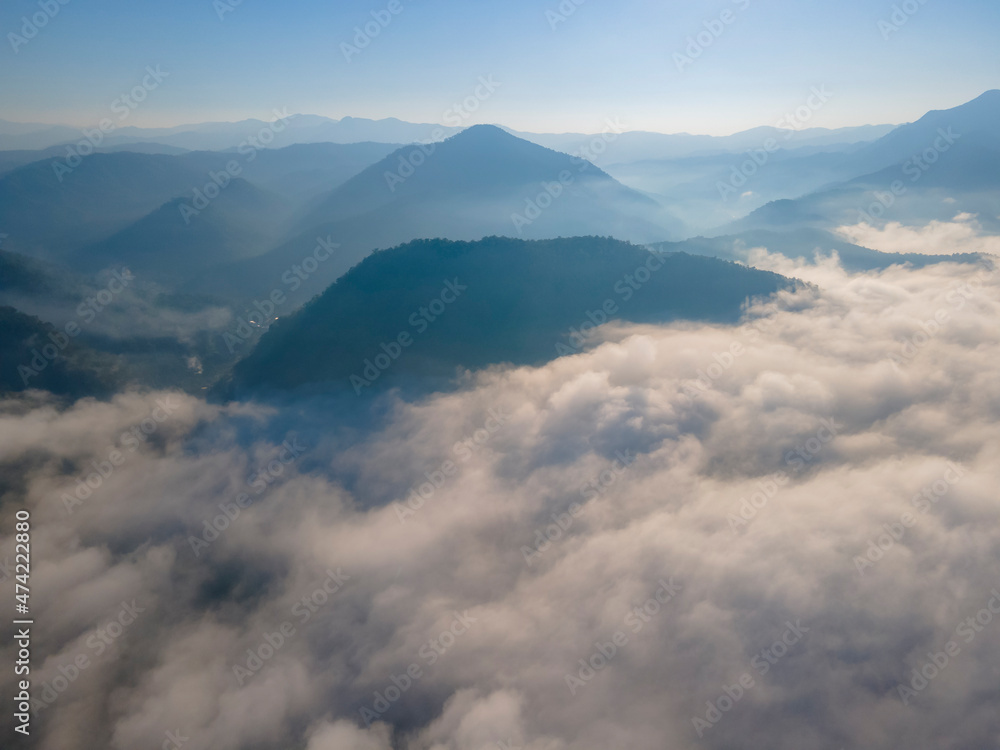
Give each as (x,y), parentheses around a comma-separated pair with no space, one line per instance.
(485,135)
(993,95)
(980,112)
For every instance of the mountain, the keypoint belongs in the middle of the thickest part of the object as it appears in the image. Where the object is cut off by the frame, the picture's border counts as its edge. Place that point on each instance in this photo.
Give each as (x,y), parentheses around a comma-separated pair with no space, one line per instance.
(302,128)
(716,187)
(963,180)
(24,136)
(34,354)
(636,145)
(431,307)
(302,172)
(10,160)
(175,242)
(23,275)
(712,190)
(481,182)
(295,129)
(969,164)
(969,121)
(494,175)
(219,136)
(944,164)
(47,216)
(107,192)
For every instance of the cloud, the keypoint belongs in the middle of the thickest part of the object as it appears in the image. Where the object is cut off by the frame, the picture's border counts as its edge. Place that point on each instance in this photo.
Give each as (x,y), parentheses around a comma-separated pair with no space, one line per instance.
(686,529)
(963,234)
(343,735)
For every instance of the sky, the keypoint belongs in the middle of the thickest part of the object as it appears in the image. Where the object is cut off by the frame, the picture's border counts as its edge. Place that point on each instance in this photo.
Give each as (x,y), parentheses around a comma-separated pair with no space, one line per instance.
(560,68)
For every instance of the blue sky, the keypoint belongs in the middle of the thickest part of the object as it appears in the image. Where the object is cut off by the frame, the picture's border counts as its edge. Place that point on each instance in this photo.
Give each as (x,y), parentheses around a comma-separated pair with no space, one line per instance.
(605,60)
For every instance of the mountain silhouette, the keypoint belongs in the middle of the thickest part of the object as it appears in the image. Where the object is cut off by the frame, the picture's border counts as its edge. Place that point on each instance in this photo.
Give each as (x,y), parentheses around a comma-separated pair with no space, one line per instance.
(944,164)
(977,118)
(481,182)
(488,171)
(473,304)
(177,242)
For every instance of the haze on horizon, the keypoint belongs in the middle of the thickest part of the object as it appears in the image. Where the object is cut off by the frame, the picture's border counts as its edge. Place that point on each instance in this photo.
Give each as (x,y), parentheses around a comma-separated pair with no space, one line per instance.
(229,60)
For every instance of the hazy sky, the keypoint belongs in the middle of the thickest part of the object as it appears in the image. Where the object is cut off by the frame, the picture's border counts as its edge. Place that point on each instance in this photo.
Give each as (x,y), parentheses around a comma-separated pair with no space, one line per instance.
(606,59)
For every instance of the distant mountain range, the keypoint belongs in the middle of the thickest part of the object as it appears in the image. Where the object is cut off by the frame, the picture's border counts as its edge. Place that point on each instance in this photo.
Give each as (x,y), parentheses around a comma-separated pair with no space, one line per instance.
(481,182)
(622,146)
(54,214)
(123,206)
(172,247)
(144,210)
(207,235)
(220,136)
(945,163)
(695,178)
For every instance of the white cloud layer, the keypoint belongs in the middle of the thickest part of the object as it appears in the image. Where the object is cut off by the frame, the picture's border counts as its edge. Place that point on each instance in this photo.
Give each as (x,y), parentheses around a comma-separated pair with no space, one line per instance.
(670,540)
(963,234)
